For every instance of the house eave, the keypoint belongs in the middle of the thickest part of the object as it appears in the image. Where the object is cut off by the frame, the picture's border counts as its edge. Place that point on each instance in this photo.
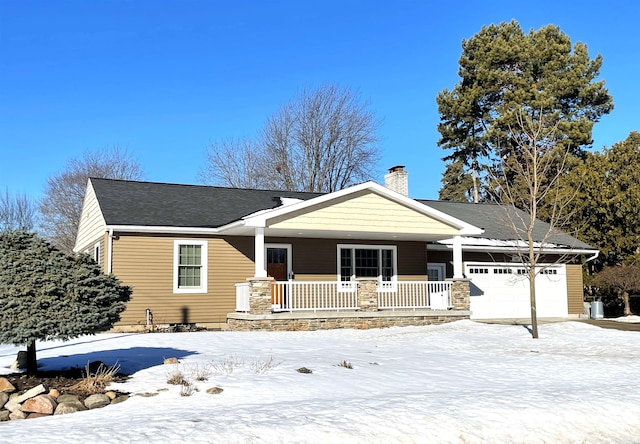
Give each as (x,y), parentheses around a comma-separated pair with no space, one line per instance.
(514,249)
(161,229)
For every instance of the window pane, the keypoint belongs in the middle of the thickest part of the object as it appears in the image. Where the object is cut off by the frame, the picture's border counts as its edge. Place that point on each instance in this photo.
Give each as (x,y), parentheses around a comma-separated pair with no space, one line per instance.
(189,265)
(366,263)
(190,254)
(387,265)
(346,269)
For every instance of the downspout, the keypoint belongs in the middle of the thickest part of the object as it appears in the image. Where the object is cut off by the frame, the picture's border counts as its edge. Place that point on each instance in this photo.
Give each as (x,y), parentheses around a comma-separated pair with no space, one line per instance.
(109,251)
(593,257)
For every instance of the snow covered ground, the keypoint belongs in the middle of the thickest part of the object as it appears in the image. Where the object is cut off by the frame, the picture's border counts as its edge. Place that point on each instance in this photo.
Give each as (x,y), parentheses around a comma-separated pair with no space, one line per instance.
(463,382)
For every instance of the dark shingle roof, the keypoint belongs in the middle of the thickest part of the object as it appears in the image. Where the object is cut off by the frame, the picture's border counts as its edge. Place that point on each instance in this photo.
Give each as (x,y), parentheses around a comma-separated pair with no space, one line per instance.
(497,225)
(126,202)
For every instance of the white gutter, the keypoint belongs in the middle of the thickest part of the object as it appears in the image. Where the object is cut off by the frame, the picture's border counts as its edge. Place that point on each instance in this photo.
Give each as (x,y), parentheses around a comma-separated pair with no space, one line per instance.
(497,249)
(110,251)
(162,229)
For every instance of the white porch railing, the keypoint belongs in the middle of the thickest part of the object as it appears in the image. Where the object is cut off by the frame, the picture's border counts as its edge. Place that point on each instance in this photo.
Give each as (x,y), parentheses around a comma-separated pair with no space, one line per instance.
(242,297)
(414,295)
(312,296)
(336,296)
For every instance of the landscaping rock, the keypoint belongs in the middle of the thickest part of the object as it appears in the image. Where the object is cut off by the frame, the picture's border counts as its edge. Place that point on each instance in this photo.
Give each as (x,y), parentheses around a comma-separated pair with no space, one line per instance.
(54,393)
(171,361)
(69,407)
(17,414)
(304,370)
(43,404)
(37,390)
(214,390)
(6,386)
(120,399)
(3,399)
(68,398)
(4,415)
(14,401)
(97,401)
(36,415)
(111,395)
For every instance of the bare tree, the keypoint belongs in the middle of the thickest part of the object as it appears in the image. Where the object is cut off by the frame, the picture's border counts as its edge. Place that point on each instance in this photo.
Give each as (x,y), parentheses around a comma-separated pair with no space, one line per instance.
(17,212)
(61,205)
(321,141)
(532,168)
(234,163)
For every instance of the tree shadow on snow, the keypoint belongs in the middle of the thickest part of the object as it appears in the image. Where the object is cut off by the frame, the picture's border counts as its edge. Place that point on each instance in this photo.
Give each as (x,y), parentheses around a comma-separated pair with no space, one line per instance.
(130,360)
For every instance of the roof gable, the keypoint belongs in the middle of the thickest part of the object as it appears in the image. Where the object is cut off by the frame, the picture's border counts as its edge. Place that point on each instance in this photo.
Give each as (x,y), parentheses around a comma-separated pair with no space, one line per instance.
(362,211)
(278,215)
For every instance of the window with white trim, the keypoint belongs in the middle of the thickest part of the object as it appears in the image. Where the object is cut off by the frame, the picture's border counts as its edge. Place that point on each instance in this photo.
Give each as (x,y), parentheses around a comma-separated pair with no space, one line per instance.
(189,266)
(96,252)
(367,261)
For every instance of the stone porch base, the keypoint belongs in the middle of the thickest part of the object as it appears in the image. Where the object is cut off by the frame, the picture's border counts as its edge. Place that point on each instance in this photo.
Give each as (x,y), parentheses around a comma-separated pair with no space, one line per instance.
(322,320)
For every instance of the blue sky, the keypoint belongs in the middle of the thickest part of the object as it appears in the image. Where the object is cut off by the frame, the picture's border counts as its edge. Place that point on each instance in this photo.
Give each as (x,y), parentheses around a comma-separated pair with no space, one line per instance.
(165,79)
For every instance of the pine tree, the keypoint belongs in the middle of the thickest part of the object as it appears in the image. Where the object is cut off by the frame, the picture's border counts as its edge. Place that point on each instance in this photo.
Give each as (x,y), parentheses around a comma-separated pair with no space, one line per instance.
(505,72)
(457,185)
(606,207)
(48,295)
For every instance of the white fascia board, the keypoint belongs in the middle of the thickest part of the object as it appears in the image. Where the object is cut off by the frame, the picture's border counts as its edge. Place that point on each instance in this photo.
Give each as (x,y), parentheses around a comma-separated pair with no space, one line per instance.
(260,219)
(161,229)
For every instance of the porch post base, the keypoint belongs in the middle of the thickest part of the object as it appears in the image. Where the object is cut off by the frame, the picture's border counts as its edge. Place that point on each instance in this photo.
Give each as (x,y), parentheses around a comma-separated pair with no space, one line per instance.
(260,295)
(460,293)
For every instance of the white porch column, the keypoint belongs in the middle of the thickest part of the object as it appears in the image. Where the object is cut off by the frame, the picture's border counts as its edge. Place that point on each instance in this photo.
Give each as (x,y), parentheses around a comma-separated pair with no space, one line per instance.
(260,269)
(457,257)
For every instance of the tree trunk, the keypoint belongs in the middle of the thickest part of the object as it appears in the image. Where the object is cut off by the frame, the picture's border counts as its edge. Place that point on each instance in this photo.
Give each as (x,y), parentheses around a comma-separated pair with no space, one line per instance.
(32,363)
(625,300)
(475,185)
(532,297)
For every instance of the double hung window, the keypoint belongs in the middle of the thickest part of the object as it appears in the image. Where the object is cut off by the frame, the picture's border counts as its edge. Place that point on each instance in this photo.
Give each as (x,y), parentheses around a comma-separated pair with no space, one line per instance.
(190,266)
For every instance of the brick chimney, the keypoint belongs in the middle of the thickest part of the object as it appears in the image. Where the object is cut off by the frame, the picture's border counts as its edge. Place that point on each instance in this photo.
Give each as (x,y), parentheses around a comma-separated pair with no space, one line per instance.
(397,180)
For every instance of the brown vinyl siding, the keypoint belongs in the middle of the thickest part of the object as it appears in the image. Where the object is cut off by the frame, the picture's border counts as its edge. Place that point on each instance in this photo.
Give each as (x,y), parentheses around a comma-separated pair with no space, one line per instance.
(316,259)
(575,289)
(145,262)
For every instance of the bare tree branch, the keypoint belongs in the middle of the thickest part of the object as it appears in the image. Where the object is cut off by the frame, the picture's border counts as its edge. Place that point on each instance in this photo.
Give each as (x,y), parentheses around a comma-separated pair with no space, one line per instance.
(61,205)
(17,213)
(532,167)
(321,141)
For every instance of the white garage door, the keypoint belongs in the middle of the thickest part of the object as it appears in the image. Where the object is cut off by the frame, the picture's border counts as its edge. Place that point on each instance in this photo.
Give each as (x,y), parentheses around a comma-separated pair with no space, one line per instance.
(501,291)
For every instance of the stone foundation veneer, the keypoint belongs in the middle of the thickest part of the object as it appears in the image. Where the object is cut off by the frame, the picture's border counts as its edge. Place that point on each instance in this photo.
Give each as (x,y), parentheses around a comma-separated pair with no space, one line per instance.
(333,320)
(261,317)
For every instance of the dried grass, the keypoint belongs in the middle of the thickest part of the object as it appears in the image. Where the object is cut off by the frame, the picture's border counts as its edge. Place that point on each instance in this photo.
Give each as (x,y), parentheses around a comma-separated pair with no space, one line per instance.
(97,382)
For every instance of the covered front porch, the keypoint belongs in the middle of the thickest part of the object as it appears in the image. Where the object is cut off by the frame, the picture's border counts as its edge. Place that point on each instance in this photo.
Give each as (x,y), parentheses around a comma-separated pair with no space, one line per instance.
(358,253)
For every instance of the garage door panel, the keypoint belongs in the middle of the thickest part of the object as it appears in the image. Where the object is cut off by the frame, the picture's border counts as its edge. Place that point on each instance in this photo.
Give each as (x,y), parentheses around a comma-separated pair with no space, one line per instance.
(502,291)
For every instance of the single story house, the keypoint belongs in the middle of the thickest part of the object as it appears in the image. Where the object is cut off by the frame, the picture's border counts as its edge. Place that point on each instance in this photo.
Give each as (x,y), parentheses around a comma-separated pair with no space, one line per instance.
(367,255)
